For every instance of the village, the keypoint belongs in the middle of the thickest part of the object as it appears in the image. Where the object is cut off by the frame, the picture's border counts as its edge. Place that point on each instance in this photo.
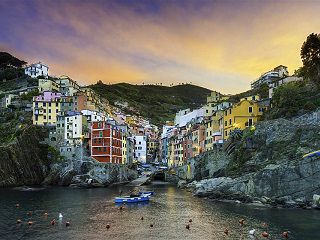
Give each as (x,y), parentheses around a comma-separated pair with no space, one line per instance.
(80,123)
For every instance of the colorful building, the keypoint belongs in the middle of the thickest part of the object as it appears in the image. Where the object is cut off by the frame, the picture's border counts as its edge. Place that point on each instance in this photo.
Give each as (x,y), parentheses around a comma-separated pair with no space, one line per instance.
(46,108)
(106,142)
(242,115)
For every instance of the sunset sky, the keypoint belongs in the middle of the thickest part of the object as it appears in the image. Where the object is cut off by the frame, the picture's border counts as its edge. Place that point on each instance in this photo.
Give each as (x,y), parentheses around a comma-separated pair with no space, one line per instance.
(221,45)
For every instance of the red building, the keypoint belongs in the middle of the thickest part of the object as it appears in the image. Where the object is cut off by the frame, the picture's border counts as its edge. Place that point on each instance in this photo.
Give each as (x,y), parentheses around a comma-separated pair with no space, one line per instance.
(106,142)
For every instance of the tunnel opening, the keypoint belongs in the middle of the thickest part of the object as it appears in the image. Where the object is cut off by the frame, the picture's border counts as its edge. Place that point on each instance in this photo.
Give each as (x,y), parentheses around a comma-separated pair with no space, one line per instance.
(159,176)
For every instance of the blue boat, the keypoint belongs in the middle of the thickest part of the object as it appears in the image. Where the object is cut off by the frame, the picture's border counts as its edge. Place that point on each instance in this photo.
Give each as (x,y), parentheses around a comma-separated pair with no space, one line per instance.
(128,199)
(151,193)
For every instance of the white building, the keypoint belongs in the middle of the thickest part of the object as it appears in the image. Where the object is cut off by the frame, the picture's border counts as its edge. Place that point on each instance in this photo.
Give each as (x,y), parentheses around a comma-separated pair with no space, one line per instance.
(268,77)
(70,130)
(7,100)
(94,116)
(37,69)
(185,116)
(140,148)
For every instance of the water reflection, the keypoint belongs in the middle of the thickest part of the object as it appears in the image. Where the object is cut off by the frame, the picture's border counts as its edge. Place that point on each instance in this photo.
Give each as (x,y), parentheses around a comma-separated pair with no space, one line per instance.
(91,210)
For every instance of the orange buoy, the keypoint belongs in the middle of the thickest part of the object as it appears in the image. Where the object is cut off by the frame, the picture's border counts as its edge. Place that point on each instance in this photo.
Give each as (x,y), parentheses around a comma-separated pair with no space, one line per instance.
(241,221)
(30,223)
(226,231)
(285,234)
(67,224)
(53,222)
(190,220)
(108,226)
(188,226)
(265,234)
(19,221)
(151,225)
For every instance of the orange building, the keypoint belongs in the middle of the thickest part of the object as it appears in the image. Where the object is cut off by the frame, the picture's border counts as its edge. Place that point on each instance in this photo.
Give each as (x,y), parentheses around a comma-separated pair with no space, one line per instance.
(106,142)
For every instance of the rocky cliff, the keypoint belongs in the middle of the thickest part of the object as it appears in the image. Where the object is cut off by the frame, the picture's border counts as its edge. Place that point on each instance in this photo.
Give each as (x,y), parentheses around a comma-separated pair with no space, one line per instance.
(24,161)
(88,173)
(266,165)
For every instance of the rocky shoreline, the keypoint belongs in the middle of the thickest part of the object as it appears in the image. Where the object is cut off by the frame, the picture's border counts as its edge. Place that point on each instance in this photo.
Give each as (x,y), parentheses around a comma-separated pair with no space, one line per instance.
(218,190)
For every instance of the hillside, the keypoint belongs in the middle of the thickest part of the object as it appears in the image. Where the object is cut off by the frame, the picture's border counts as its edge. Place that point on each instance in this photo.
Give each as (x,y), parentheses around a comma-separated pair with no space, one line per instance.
(158,103)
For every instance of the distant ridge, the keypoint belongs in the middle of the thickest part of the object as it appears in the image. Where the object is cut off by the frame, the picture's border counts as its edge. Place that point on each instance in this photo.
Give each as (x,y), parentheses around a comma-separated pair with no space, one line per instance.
(156,102)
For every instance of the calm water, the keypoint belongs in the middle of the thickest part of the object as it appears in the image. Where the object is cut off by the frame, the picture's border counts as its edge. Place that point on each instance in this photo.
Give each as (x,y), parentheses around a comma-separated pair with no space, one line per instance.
(89,210)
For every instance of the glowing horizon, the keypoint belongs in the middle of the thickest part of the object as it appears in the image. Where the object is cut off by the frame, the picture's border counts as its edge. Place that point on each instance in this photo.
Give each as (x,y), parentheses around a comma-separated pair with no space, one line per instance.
(220,45)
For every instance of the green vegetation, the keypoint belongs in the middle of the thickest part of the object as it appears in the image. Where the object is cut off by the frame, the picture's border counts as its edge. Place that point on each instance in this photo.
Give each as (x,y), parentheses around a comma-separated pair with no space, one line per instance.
(310,56)
(296,98)
(157,103)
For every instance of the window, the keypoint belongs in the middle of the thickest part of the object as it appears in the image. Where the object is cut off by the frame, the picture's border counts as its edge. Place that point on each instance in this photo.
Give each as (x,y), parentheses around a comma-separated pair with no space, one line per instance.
(230,111)
(50,104)
(100,133)
(49,110)
(226,133)
(44,110)
(49,117)
(250,122)
(250,110)
(225,123)
(230,121)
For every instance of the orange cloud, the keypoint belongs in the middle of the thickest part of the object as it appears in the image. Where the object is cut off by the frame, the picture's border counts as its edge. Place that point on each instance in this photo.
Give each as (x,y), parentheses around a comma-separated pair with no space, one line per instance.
(221,46)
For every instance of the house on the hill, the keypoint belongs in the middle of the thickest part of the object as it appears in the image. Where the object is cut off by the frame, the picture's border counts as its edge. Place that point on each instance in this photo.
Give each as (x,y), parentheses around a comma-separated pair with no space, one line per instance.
(37,69)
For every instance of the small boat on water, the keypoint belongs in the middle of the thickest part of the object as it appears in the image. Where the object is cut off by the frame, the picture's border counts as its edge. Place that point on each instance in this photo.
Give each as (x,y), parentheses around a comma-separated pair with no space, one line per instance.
(136,199)
(151,193)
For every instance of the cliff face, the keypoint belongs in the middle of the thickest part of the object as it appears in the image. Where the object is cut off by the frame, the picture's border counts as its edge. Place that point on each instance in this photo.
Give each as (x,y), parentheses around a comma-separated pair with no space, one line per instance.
(267,164)
(24,160)
(88,173)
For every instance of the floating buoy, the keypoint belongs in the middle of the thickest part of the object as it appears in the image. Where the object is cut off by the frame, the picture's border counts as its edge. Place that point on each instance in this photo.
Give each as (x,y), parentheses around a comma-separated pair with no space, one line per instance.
(285,234)
(241,221)
(226,231)
(190,220)
(142,218)
(60,215)
(151,225)
(67,224)
(19,221)
(30,223)
(45,214)
(17,205)
(53,222)
(265,234)
(108,226)
(252,232)
(188,226)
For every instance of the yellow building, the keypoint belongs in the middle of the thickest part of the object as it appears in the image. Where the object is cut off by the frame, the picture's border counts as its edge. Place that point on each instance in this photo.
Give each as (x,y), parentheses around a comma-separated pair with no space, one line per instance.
(45,108)
(241,115)
(124,148)
(47,85)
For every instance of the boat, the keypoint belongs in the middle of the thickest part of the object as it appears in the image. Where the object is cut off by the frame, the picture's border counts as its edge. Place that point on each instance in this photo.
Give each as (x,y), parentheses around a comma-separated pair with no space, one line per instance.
(151,193)
(128,199)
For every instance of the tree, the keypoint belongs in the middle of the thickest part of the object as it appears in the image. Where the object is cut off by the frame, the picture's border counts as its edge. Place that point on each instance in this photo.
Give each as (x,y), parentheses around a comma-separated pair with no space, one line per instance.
(310,56)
